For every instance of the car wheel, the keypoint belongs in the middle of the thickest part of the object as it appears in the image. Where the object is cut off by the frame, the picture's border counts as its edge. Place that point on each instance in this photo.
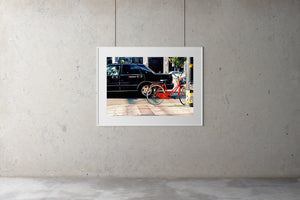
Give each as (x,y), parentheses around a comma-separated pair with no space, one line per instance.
(144,89)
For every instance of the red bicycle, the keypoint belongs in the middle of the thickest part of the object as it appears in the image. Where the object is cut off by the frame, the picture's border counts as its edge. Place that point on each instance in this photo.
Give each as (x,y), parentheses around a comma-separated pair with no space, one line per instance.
(158,92)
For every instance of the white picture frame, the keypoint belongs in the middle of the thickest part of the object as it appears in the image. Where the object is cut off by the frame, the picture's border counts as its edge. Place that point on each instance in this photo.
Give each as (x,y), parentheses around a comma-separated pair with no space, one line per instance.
(105,120)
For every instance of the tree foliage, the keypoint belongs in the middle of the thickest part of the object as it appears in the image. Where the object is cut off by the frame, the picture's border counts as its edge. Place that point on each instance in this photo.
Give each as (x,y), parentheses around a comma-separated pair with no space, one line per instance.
(177,62)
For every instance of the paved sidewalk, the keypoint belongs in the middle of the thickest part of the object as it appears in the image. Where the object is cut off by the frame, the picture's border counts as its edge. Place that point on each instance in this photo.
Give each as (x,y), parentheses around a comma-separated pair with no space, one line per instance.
(140,107)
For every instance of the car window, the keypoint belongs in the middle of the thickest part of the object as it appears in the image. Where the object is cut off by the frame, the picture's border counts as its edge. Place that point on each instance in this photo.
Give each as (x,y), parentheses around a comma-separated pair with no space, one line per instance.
(130,69)
(144,68)
(113,70)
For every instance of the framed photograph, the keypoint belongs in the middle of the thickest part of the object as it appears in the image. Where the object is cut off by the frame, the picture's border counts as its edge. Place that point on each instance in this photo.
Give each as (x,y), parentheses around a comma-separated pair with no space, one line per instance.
(150,86)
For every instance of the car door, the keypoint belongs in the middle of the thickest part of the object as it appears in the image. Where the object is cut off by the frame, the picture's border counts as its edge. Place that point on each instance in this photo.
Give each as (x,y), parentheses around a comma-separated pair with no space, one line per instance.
(113,78)
(130,77)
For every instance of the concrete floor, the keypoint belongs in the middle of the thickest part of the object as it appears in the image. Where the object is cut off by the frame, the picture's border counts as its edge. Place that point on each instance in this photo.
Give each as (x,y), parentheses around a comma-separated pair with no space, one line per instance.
(148,189)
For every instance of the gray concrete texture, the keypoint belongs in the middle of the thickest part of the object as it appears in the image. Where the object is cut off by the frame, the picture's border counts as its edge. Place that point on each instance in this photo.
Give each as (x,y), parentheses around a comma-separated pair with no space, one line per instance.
(251,80)
(148,189)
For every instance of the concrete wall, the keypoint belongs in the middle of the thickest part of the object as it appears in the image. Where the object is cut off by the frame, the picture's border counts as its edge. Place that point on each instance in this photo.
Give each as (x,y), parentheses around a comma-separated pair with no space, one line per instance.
(48,88)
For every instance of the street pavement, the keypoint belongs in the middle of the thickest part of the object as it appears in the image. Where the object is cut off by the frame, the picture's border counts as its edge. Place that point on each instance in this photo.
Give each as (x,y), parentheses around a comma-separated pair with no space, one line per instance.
(131,106)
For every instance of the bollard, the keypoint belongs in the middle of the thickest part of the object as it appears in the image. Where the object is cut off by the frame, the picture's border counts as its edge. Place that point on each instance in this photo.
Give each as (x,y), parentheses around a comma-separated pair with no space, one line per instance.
(190,98)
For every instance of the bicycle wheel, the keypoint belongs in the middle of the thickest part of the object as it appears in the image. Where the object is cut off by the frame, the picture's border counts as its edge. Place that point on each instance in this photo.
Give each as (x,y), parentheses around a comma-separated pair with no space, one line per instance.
(182,95)
(152,94)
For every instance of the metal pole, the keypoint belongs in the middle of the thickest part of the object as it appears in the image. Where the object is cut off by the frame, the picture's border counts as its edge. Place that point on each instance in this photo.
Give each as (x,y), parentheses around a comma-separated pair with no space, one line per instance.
(188,78)
(189,87)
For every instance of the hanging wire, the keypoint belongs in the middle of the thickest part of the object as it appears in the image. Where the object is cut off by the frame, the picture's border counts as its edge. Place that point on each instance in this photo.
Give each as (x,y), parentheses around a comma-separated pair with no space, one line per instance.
(184,23)
(115,23)
(184,42)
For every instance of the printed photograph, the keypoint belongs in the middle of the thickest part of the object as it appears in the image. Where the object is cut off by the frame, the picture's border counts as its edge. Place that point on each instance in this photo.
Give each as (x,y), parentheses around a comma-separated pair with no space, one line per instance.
(149,86)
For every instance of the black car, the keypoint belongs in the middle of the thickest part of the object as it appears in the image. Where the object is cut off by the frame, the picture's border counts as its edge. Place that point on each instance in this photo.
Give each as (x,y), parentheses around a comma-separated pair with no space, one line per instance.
(134,77)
